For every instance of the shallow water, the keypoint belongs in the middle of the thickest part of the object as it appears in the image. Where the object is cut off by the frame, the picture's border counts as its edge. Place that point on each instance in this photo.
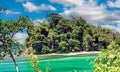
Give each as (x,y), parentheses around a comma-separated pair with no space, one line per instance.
(57,65)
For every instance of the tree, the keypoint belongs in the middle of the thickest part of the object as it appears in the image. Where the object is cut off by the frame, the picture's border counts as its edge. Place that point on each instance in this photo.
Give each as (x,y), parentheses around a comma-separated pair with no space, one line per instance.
(80,22)
(49,37)
(53,19)
(7,32)
(63,47)
(102,38)
(38,39)
(73,45)
(8,29)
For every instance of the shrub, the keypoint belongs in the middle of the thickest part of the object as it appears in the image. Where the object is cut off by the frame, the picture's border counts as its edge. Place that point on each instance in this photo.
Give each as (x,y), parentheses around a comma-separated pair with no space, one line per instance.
(109,59)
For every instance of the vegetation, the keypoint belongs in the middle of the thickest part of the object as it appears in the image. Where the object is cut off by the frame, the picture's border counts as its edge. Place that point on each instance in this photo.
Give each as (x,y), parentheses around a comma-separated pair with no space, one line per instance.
(34,61)
(8,45)
(62,35)
(109,59)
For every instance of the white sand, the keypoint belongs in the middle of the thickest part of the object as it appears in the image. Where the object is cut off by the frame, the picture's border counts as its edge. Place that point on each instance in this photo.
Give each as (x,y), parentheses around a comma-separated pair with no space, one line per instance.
(74,53)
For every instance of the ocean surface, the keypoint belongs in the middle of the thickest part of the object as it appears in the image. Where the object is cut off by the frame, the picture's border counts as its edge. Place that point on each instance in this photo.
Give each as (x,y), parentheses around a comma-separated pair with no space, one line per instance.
(68,64)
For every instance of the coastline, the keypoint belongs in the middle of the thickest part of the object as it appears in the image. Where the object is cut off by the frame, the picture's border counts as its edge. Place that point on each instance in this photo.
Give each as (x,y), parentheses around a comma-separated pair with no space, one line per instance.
(72,53)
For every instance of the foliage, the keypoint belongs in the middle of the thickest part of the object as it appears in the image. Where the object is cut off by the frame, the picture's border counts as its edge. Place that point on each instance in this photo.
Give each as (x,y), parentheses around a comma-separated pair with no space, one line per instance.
(109,59)
(73,45)
(34,61)
(8,29)
(60,35)
(63,46)
(64,35)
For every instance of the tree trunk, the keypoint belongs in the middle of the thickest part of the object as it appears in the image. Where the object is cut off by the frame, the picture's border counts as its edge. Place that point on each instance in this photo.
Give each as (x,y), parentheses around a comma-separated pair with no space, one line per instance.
(52,43)
(16,66)
(11,55)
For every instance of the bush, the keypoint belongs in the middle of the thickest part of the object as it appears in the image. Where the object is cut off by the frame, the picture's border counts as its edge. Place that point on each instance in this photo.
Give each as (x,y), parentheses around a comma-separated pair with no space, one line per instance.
(109,59)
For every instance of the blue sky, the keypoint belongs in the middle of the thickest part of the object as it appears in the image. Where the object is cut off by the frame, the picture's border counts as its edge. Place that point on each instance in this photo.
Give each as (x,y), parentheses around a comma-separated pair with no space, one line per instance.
(27,8)
(97,12)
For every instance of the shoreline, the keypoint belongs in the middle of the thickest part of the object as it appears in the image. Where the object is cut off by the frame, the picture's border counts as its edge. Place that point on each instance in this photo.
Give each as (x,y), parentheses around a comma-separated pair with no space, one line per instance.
(24,57)
(72,53)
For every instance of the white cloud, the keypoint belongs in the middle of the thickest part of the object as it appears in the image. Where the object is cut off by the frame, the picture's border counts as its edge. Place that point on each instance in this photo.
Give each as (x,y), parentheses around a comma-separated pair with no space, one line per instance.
(68,2)
(31,7)
(114,4)
(11,12)
(117,13)
(115,28)
(90,11)
(38,21)
(20,37)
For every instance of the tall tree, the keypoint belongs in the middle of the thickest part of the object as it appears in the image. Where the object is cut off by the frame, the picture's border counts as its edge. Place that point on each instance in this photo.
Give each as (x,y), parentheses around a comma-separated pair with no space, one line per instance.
(53,19)
(80,22)
(8,29)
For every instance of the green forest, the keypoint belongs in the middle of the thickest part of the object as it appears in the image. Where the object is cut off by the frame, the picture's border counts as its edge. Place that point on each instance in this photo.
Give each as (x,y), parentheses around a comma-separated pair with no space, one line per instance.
(60,35)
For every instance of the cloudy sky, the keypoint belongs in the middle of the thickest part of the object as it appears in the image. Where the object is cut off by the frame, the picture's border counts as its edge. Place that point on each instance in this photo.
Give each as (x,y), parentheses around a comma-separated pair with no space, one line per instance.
(97,12)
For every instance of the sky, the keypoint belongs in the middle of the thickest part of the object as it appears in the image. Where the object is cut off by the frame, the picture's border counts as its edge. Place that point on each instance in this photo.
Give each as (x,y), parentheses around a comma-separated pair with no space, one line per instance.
(105,13)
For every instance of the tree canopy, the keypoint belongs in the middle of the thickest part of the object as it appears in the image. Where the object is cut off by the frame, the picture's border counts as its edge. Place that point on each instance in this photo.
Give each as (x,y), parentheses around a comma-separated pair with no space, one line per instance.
(68,35)
(8,29)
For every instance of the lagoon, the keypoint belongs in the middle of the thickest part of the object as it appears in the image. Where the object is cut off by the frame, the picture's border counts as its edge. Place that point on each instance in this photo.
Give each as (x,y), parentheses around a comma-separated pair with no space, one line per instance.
(67,64)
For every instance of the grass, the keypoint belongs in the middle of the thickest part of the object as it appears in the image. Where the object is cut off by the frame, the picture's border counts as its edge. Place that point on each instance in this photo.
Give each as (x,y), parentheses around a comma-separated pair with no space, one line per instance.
(43,57)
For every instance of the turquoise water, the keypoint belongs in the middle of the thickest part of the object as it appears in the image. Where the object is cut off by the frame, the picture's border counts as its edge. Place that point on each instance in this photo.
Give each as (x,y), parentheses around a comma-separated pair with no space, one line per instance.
(57,65)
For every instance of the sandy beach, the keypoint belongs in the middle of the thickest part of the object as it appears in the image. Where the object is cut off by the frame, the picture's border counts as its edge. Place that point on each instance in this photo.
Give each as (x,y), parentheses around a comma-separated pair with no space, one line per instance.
(74,53)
